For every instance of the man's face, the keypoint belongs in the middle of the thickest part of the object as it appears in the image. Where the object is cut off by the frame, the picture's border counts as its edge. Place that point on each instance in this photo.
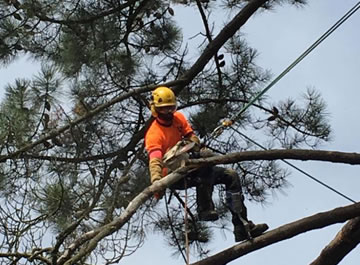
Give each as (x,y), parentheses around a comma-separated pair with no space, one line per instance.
(166,113)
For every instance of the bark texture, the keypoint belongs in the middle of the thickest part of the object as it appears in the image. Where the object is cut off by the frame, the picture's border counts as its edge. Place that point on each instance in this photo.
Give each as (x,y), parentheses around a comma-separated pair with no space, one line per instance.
(345,241)
(284,232)
(92,238)
(296,154)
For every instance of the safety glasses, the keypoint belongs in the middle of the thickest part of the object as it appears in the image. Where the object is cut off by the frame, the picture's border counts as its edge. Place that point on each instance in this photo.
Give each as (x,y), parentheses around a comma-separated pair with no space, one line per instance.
(166,109)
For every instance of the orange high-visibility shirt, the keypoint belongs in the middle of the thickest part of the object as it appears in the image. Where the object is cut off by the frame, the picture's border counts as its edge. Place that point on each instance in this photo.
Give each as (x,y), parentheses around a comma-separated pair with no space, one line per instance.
(161,138)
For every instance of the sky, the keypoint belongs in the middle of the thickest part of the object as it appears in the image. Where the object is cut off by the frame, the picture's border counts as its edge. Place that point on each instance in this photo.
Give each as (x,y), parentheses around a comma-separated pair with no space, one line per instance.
(280,36)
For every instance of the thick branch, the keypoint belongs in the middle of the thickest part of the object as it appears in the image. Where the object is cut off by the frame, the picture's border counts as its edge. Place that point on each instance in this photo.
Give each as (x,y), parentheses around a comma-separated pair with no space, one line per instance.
(284,232)
(228,31)
(297,154)
(345,241)
(93,237)
(225,34)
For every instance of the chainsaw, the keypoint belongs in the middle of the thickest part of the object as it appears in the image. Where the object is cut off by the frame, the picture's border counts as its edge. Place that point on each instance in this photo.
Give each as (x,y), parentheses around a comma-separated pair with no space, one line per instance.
(178,155)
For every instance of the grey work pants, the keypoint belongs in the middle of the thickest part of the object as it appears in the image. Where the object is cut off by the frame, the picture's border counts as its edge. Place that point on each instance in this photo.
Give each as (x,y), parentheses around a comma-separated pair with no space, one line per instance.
(204,180)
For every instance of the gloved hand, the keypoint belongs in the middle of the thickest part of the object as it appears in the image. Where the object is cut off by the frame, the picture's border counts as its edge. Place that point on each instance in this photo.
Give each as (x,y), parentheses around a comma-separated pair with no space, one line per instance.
(158,195)
(155,167)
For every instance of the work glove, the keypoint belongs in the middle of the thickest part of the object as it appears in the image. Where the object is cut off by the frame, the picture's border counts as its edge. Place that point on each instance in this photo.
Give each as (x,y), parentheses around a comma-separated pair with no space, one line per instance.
(155,167)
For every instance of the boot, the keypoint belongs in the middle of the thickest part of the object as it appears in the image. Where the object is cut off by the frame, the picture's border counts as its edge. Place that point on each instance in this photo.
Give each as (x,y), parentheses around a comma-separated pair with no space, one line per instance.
(205,209)
(255,230)
(243,228)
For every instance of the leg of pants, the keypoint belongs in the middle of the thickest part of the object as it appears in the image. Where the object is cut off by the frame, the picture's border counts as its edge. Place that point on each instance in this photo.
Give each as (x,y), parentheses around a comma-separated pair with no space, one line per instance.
(203,180)
(231,180)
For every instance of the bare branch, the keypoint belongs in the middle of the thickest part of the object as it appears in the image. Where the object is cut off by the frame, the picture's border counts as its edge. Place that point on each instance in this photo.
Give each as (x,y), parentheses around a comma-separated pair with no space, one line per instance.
(93,237)
(297,154)
(284,232)
(345,241)
(34,255)
(226,33)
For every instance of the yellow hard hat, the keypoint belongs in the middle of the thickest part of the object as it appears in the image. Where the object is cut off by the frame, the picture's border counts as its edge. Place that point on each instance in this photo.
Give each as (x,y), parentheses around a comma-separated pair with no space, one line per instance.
(163,96)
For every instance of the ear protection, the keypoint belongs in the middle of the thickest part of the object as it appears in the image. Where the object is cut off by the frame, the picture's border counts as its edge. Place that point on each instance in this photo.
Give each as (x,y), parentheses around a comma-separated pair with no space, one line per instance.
(152,109)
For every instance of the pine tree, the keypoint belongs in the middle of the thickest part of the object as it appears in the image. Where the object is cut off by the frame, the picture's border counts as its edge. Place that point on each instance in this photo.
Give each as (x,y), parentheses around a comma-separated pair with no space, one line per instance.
(72,156)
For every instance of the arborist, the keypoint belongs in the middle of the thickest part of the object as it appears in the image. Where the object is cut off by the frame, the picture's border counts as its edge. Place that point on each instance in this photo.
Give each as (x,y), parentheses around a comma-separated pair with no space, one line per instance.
(168,128)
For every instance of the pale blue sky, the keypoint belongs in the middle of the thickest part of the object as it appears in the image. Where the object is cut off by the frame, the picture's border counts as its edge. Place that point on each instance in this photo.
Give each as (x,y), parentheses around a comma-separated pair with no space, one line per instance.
(333,68)
(280,36)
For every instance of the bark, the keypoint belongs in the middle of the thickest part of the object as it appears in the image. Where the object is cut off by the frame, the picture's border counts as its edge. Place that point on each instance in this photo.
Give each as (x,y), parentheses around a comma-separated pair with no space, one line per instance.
(297,154)
(284,232)
(93,237)
(345,241)
(225,34)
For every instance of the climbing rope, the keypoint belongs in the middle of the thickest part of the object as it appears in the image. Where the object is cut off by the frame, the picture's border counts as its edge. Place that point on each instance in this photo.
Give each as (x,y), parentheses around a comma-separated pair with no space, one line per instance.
(186,224)
(227,123)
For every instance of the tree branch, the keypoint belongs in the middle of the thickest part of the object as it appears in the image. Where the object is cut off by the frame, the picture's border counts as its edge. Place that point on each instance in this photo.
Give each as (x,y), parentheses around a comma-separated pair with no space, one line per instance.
(93,237)
(34,255)
(296,154)
(284,232)
(79,120)
(86,20)
(345,241)
(225,34)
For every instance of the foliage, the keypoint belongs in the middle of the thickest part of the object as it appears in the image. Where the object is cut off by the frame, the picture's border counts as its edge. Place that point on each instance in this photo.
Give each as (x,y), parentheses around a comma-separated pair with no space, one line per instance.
(92,163)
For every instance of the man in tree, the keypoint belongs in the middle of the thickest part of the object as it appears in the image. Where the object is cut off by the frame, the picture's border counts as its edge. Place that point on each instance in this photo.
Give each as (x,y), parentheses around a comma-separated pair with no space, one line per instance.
(170,127)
